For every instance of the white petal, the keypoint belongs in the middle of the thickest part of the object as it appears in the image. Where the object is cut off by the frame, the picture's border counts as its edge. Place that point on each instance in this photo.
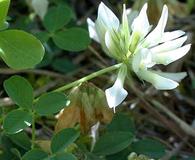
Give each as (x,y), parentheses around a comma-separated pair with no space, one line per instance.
(131,15)
(92,30)
(140,23)
(116,94)
(157,81)
(106,20)
(136,61)
(173,76)
(107,17)
(112,45)
(168,36)
(40,7)
(156,35)
(101,31)
(170,45)
(170,56)
(142,60)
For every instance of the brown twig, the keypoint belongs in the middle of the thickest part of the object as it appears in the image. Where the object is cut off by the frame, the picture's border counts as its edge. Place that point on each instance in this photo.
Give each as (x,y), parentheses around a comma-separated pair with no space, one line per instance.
(35,71)
(183,125)
(176,150)
(97,54)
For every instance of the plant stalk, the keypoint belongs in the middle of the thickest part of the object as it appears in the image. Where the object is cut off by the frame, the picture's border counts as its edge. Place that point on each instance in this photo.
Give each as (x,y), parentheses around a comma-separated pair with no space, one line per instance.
(89,77)
(33,131)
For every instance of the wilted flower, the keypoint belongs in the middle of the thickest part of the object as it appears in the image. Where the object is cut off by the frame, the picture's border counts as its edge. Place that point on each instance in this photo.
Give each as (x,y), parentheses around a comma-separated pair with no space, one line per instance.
(87,107)
(138,48)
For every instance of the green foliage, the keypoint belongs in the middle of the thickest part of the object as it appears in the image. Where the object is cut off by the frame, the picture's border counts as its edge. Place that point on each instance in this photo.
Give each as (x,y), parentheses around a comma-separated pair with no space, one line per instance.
(35,154)
(73,39)
(16,121)
(63,156)
(119,141)
(59,142)
(20,91)
(121,122)
(21,139)
(6,146)
(61,33)
(122,155)
(115,143)
(112,142)
(91,156)
(43,36)
(50,103)
(63,65)
(70,39)
(155,149)
(63,139)
(57,17)
(120,134)
(19,49)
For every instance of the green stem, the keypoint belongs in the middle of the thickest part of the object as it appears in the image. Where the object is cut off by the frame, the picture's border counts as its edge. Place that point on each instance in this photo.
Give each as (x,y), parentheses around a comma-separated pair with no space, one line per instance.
(33,131)
(89,77)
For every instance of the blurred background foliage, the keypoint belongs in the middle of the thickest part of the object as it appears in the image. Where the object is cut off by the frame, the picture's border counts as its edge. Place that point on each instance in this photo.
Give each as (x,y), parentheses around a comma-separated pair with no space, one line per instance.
(156,124)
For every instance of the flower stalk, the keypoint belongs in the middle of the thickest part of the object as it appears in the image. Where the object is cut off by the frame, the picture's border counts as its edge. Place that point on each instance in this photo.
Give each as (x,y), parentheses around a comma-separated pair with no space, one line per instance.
(89,77)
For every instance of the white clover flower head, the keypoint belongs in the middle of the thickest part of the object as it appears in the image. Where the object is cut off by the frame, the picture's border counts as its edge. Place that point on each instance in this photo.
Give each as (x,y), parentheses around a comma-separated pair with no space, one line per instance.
(136,46)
